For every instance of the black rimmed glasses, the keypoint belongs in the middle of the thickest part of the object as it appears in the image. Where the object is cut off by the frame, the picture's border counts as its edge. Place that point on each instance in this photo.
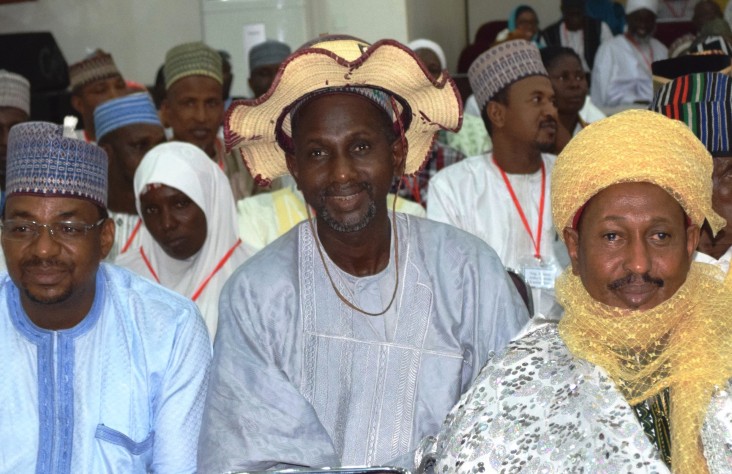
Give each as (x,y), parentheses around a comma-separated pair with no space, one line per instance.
(21,230)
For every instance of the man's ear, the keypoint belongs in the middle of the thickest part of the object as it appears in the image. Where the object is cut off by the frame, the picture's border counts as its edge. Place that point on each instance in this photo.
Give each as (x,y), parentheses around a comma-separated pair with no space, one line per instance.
(571,240)
(77,104)
(399,154)
(292,165)
(108,150)
(496,113)
(692,240)
(107,237)
(164,112)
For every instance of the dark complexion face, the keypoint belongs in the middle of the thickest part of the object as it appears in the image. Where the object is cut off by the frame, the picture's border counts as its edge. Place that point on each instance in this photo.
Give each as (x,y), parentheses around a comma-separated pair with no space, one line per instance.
(529,115)
(174,220)
(344,160)
(56,276)
(570,84)
(194,109)
(527,24)
(641,23)
(261,78)
(9,116)
(573,17)
(633,248)
(128,145)
(722,204)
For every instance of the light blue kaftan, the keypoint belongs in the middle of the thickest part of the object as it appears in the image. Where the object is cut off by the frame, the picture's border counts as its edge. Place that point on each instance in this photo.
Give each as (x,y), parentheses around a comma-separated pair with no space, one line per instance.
(299,378)
(121,392)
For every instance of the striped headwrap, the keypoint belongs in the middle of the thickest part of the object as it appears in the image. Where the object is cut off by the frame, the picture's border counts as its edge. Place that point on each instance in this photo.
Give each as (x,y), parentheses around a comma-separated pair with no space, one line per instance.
(124,111)
(703,101)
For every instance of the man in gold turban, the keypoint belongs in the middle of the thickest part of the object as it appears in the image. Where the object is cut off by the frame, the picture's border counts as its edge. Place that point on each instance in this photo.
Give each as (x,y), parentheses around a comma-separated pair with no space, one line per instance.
(635,377)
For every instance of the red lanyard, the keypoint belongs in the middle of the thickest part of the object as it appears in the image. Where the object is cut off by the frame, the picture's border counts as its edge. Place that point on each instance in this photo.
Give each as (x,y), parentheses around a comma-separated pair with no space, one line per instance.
(131,237)
(535,240)
(638,48)
(205,282)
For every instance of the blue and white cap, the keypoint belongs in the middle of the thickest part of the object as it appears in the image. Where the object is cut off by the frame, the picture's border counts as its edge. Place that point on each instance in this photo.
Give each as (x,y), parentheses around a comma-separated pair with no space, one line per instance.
(123,111)
(43,160)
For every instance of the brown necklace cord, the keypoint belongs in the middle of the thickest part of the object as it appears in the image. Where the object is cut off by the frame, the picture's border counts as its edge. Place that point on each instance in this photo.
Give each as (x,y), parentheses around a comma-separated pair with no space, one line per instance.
(394,226)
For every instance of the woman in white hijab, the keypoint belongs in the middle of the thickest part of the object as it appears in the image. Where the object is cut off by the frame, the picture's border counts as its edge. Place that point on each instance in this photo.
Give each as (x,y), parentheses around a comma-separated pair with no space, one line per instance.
(189,242)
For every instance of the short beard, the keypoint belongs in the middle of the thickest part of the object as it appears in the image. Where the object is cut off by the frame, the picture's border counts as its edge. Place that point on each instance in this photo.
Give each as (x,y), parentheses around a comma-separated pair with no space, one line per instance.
(349,226)
(49,301)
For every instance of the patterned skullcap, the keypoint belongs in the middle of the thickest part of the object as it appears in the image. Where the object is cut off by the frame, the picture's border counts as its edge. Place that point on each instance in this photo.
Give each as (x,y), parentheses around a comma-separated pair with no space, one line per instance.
(635,5)
(14,91)
(192,59)
(99,65)
(268,52)
(123,111)
(704,103)
(42,161)
(501,66)
(630,147)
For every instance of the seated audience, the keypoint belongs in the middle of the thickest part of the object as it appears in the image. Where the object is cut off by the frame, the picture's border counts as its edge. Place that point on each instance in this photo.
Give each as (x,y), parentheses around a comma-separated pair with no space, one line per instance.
(704,12)
(523,23)
(126,128)
(348,339)
(636,376)
(574,107)
(189,242)
(622,72)
(105,371)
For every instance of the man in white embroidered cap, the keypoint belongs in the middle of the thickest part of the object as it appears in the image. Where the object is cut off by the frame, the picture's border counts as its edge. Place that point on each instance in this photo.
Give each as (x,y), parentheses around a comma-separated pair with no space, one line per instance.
(348,339)
(103,371)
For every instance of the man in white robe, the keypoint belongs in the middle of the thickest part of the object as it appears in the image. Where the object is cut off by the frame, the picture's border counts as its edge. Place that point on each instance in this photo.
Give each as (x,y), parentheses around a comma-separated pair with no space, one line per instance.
(503,196)
(622,74)
(103,371)
(348,339)
(636,375)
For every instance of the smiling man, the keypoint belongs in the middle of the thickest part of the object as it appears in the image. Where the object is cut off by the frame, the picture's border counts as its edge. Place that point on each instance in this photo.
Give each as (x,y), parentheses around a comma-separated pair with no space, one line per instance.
(104,371)
(349,338)
(635,378)
(502,196)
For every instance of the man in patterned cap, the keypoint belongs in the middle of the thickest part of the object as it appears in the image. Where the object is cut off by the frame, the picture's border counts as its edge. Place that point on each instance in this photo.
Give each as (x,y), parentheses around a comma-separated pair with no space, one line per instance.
(104,371)
(14,109)
(636,376)
(502,196)
(94,80)
(194,106)
(349,338)
(703,101)
(127,128)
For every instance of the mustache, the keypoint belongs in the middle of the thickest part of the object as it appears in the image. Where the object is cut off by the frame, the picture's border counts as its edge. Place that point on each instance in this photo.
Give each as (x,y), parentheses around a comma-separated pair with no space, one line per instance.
(548,121)
(345,189)
(40,263)
(634,278)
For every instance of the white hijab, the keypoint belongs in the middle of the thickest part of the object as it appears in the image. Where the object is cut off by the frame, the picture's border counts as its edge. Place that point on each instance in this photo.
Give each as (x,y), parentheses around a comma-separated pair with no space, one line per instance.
(188,169)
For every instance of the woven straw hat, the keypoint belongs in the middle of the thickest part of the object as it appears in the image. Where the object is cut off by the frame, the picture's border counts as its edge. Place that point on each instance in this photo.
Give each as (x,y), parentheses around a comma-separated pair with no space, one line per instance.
(255,129)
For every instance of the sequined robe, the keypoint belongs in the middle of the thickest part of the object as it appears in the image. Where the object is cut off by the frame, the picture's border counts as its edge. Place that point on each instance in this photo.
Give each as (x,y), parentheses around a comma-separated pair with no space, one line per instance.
(299,378)
(537,408)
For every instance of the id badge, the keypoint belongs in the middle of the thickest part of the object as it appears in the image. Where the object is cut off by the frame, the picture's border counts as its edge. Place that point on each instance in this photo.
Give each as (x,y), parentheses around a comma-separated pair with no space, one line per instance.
(539,273)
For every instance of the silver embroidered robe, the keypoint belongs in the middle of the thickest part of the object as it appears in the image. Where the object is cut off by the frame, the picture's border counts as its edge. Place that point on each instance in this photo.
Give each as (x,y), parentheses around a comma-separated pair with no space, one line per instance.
(538,409)
(300,379)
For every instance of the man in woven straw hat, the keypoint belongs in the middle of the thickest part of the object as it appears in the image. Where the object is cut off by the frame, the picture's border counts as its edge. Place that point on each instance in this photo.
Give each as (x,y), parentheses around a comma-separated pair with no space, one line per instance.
(348,339)
(502,196)
(635,377)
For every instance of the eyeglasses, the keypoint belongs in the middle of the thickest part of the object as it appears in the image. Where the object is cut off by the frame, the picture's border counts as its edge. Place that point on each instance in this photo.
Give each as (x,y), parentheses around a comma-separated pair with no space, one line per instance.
(20,230)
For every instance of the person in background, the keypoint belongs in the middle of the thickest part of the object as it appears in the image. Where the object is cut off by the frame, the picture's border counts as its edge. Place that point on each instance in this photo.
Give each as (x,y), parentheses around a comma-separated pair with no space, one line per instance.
(104,372)
(194,107)
(622,72)
(94,80)
(14,109)
(574,107)
(264,60)
(127,128)
(578,31)
(523,23)
(189,242)
(331,338)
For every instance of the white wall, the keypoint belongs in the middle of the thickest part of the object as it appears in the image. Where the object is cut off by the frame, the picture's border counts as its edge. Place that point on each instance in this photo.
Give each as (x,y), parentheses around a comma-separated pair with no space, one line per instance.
(442,21)
(136,32)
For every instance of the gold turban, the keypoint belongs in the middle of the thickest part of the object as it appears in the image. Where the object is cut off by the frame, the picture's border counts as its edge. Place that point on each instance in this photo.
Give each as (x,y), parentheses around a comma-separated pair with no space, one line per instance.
(634,146)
